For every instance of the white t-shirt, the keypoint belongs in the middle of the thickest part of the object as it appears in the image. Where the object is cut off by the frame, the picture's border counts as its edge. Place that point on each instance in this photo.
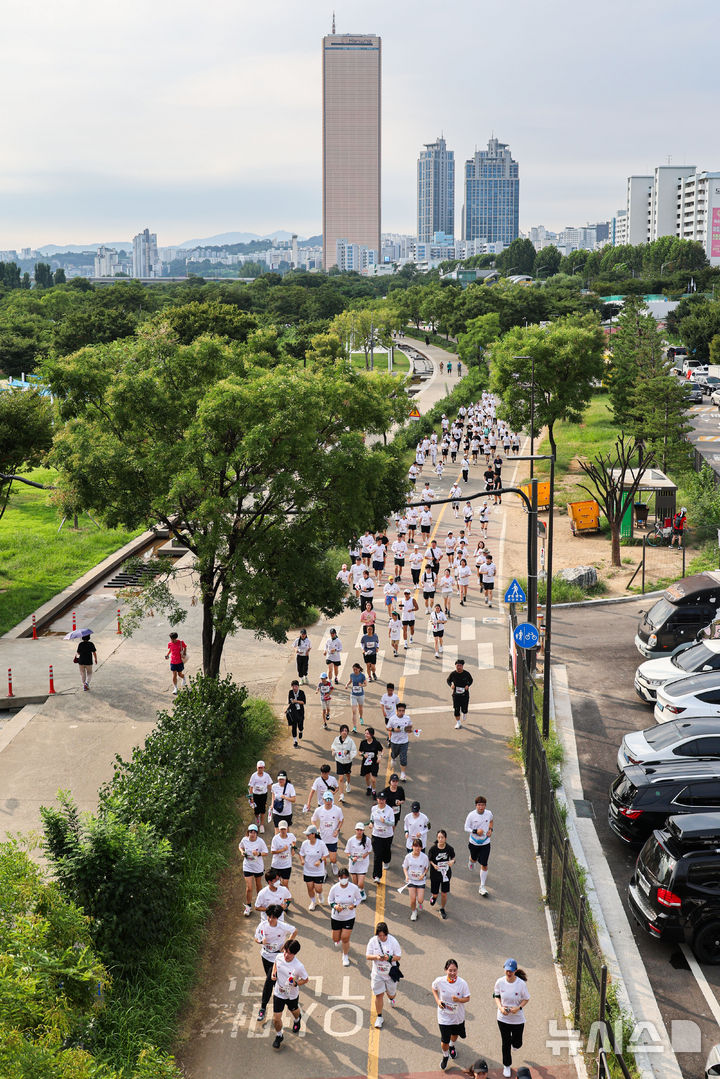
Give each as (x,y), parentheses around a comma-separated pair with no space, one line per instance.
(320,786)
(427,493)
(408,610)
(464,574)
(281,859)
(416,560)
(450,544)
(389,701)
(511,994)
(438,619)
(346,898)
(343,750)
(416,827)
(383,821)
(428,581)
(384,948)
(398,548)
(253,851)
(311,855)
(367,542)
(455,491)
(412,517)
(390,589)
(468,513)
(396,728)
(328,821)
(303,644)
(285,793)
(452,1012)
(366,587)
(333,647)
(488,573)
(378,553)
(446,584)
(357,573)
(478,822)
(266,897)
(395,629)
(416,868)
(260,784)
(272,938)
(358,855)
(284,987)
(425,518)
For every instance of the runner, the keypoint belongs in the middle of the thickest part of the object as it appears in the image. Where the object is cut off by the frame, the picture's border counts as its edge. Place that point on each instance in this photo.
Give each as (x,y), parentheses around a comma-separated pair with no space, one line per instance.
(283,797)
(412,520)
(479,826)
(370,751)
(344,899)
(439,469)
(416,826)
(447,587)
(416,561)
(465,467)
(484,518)
(425,522)
(288,974)
(358,681)
(378,559)
(516,444)
(365,590)
(450,547)
(428,587)
(512,995)
(399,550)
(303,646)
(427,494)
(389,702)
(333,651)
(328,819)
(460,680)
(295,711)
(394,795)
(398,727)
(325,689)
(367,542)
(383,952)
(468,517)
(282,847)
(176,653)
(382,819)
(395,632)
(434,557)
(344,751)
(275,893)
(451,995)
(415,867)
(354,549)
(370,642)
(324,782)
(368,617)
(409,607)
(343,575)
(438,620)
(488,578)
(272,935)
(413,473)
(259,784)
(442,858)
(313,855)
(253,850)
(390,591)
(464,576)
(358,849)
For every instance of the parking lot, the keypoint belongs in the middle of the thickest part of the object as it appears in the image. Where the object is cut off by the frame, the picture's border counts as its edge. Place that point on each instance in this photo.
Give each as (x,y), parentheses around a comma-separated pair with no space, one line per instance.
(596,646)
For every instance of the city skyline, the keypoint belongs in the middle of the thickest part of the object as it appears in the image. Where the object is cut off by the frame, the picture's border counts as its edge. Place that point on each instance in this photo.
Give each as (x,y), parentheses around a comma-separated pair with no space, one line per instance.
(211,123)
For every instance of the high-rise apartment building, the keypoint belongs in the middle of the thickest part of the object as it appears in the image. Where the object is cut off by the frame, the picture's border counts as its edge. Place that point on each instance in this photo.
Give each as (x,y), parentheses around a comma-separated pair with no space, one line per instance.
(106,262)
(492,190)
(352,72)
(145,256)
(435,191)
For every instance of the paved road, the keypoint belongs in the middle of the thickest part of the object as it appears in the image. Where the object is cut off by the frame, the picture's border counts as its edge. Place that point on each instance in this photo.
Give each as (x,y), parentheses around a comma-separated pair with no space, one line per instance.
(447,768)
(705,435)
(591,643)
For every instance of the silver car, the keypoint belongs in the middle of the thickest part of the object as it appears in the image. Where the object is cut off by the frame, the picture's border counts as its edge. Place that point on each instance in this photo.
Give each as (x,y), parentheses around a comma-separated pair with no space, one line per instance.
(678,739)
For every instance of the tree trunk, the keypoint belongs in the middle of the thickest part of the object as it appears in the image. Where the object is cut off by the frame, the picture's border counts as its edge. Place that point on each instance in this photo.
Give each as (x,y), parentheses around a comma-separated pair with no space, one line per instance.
(615,543)
(551,437)
(207,629)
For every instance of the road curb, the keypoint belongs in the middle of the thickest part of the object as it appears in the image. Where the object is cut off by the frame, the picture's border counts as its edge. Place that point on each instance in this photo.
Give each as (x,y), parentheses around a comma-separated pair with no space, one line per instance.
(604,602)
(635,994)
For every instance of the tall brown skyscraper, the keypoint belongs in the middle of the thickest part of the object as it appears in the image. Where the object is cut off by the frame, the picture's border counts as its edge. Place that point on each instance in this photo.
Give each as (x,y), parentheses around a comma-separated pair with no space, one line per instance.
(351,142)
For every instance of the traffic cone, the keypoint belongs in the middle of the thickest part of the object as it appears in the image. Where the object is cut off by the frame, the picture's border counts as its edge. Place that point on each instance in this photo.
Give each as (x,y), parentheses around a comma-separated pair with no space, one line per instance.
(35,636)
(119,630)
(74,625)
(52,681)
(10,689)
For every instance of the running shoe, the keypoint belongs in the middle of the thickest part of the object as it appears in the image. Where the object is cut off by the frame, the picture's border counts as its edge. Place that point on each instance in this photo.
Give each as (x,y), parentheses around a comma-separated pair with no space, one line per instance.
(363,895)
(413,916)
(262,829)
(348,788)
(354,730)
(278,1041)
(471,864)
(346,960)
(433,900)
(368,792)
(443,913)
(507,1072)
(295,743)
(312,905)
(458,725)
(379,1021)
(444,1062)
(453,1051)
(260,1015)
(296,1026)
(482,890)
(248,911)
(377,879)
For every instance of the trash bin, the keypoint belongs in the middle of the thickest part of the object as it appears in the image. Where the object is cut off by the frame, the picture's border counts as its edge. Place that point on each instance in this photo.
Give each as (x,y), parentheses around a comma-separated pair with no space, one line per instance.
(641,514)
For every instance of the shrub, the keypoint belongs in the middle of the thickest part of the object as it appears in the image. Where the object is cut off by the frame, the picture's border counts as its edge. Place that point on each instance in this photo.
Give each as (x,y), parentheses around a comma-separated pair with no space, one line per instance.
(705,497)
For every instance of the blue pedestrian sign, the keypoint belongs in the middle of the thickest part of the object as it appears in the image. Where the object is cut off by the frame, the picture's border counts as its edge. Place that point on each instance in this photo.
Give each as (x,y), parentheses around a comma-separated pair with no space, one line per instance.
(515,593)
(526,635)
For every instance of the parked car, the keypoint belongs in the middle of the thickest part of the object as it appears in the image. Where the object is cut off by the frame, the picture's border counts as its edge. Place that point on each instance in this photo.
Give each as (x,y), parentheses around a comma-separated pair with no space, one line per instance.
(674,892)
(685,607)
(715,397)
(708,383)
(686,659)
(644,795)
(679,739)
(695,694)
(693,393)
(712,1065)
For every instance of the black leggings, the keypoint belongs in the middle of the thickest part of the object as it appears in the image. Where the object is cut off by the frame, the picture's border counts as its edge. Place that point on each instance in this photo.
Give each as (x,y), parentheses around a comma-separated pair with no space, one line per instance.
(382,851)
(297,723)
(512,1038)
(269,983)
(302,665)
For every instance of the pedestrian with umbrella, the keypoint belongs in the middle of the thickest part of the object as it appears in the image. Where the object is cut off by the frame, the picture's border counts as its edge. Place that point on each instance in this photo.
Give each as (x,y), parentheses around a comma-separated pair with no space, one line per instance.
(85,655)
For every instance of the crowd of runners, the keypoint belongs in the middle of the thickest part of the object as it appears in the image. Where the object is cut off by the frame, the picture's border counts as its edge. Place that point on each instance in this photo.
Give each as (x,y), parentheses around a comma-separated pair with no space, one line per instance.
(396,583)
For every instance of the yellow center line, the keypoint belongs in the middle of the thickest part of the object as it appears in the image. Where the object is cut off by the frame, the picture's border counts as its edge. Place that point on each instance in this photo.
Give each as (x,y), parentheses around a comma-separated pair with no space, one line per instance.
(373,1062)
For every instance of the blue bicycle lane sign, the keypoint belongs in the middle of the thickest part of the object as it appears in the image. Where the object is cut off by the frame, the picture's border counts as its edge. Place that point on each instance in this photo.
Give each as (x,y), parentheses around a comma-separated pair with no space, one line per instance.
(526,635)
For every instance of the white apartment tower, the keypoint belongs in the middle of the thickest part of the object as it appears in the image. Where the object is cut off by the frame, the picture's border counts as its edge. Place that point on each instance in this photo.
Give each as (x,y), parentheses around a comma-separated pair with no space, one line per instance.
(145,257)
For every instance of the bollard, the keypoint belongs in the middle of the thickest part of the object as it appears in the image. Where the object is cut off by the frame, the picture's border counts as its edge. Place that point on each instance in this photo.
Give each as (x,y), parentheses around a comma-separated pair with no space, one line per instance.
(35,636)
(74,625)
(52,681)
(10,689)
(119,630)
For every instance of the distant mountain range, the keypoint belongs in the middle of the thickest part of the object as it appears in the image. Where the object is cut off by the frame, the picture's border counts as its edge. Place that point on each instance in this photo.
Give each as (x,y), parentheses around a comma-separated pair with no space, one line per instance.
(78,249)
(220,240)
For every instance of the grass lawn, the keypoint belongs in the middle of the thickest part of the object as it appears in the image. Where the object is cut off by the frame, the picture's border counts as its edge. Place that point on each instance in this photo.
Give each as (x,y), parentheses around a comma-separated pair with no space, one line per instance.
(596,434)
(35,561)
(401,364)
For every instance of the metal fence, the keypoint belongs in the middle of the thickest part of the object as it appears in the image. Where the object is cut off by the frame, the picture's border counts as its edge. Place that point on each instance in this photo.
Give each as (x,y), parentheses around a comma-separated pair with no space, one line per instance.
(663,563)
(578,950)
(698,461)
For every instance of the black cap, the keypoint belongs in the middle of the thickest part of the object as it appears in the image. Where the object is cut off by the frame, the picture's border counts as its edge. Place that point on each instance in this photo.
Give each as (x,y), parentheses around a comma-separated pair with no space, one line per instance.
(461,662)
(415,807)
(480,1065)
(394,776)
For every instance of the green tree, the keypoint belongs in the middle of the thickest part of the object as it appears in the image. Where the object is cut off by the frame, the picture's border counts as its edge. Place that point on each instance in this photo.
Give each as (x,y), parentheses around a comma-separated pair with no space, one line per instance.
(568,357)
(547,261)
(43,275)
(517,258)
(59,276)
(615,480)
(190,320)
(25,436)
(480,333)
(714,349)
(253,465)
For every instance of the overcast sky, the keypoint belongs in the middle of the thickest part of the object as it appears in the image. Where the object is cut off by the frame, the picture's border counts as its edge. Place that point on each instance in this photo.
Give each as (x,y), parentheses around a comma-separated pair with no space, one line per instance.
(195,119)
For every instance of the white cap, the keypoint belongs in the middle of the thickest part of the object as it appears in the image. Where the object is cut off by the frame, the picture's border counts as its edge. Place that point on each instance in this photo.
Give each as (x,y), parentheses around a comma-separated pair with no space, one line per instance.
(260,764)
(360,824)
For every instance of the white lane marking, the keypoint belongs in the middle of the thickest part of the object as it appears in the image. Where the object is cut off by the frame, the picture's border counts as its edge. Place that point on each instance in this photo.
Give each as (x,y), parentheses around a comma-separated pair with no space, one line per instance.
(449,659)
(485,706)
(485,655)
(703,983)
(467,629)
(412,661)
(379,664)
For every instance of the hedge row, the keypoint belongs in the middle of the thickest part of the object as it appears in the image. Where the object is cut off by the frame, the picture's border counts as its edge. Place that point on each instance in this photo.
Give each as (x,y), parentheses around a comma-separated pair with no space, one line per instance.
(467,389)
